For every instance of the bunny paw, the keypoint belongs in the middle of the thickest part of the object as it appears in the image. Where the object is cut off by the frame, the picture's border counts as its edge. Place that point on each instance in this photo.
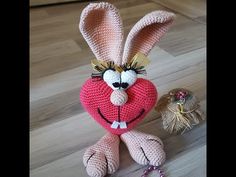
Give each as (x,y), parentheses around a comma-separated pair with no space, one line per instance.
(144,148)
(103,157)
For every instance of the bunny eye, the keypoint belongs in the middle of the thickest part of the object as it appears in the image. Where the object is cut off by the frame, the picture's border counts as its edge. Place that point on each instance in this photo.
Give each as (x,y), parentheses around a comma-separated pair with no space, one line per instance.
(112,78)
(128,77)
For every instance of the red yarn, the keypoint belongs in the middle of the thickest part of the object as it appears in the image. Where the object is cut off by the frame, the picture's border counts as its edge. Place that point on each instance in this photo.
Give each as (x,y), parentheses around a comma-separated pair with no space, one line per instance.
(95,97)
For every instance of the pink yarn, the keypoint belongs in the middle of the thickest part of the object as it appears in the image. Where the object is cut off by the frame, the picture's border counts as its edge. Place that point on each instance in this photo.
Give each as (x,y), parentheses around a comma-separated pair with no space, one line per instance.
(96,94)
(118,97)
(103,157)
(145,149)
(146,33)
(101,26)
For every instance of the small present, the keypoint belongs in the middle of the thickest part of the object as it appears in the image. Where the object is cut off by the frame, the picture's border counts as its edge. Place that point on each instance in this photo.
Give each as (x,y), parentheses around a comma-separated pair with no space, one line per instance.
(180,110)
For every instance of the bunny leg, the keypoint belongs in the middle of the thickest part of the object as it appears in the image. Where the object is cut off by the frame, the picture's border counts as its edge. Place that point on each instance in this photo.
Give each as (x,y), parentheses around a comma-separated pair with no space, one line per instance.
(103,157)
(144,148)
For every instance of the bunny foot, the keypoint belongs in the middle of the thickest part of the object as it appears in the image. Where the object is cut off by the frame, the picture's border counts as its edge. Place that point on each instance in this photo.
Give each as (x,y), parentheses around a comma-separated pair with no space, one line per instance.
(144,148)
(103,157)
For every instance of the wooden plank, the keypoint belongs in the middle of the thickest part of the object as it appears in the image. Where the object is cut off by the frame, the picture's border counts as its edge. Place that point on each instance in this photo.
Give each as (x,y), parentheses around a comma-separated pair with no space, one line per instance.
(34,3)
(187,71)
(53,50)
(74,78)
(71,165)
(190,8)
(60,130)
(38,14)
(183,37)
(66,61)
(64,137)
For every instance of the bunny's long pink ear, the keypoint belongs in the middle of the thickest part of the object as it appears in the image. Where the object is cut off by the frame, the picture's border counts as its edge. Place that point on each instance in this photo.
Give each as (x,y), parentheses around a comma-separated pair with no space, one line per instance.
(146,33)
(101,26)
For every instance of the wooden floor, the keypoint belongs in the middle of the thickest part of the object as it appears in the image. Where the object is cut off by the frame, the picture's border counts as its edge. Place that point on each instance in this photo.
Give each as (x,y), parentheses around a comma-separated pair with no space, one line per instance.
(60,130)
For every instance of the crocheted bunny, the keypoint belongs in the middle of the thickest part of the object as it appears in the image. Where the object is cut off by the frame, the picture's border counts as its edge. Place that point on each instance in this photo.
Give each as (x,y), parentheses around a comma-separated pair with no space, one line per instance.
(115,97)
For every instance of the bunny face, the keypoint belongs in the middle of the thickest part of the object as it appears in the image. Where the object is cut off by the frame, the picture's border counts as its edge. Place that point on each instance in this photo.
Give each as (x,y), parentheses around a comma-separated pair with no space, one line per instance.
(115,97)
(96,98)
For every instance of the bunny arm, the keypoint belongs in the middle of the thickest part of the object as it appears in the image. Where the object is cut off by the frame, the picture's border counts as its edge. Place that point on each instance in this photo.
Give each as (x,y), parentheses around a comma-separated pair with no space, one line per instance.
(144,148)
(103,157)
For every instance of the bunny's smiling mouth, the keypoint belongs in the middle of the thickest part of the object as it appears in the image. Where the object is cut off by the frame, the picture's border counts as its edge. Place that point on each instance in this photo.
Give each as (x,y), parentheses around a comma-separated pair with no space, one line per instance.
(121,124)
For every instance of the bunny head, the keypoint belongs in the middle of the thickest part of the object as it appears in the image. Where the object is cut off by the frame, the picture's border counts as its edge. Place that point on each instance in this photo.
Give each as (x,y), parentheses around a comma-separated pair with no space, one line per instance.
(115,97)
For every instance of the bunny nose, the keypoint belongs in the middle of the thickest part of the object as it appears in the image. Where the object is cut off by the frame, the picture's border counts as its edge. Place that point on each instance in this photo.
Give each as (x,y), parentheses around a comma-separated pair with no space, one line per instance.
(118,97)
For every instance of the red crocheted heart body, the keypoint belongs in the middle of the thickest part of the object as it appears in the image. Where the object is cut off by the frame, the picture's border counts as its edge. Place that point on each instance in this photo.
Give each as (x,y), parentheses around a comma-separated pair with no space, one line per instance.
(95,98)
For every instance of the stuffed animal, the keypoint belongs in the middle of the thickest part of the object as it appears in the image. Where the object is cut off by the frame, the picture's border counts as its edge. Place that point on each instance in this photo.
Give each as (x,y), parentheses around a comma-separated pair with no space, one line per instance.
(115,97)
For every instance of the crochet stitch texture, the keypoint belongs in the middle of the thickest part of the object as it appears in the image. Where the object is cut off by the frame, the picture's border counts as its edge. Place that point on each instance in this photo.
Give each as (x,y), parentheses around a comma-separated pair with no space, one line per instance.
(119,100)
(95,95)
